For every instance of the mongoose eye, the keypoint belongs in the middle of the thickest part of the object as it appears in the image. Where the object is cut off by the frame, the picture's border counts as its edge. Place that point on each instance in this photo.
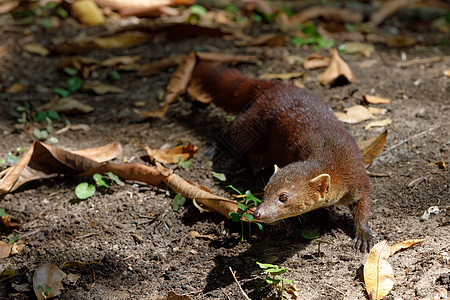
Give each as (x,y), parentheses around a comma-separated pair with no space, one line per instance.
(283,197)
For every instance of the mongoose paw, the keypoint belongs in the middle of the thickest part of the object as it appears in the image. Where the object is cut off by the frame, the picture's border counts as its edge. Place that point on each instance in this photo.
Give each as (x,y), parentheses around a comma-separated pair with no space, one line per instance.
(364,240)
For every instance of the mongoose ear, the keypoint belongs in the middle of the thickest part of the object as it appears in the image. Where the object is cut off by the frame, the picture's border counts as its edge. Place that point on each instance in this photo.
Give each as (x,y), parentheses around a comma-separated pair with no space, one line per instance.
(321,184)
(276,169)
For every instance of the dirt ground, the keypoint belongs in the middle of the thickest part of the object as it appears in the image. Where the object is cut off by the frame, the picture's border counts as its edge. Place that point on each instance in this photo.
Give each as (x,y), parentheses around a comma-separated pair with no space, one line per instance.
(143,249)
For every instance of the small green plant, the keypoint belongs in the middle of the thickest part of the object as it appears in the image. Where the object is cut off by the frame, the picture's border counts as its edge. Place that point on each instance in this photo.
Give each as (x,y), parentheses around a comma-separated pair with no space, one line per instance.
(45,291)
(48,116)
(84,190)
(12,238)
(73,84)
(248,201)
(219,176)
(3,213)
(185,164)
(312,37)
(273,278)
(178,202)
(197,11)
(313,235)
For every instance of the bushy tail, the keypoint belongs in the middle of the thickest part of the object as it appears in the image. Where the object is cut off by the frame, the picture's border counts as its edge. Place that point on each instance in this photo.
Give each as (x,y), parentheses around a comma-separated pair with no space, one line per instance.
(228,88)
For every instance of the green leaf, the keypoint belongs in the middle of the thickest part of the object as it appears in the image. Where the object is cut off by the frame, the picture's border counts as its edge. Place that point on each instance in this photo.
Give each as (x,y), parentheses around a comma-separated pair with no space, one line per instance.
(53,114)
(242,206)
(270,280)
(309,234)
(40,116)
(198,10)
(3,213)
(178,202)
(286,280)
(13,238)
(230,119)
(309,29)
(70,71)
(235,217)
(62,12)
(12,159)
(249,217)
(260,226)
(185,164)
(266,266)
(250,197)
(84,190)
(219,176)
(21,150)
(114,75)
(53,140)
(325,43)
(61,92)
(257,18)
(114,177)
(2,161)
(46,23)
(234,189)
(40,134)
(303,41)
(74,84)
(100,180)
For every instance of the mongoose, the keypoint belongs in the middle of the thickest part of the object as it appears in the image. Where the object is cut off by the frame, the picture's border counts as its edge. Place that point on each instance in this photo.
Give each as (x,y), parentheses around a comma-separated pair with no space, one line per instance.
(293,128)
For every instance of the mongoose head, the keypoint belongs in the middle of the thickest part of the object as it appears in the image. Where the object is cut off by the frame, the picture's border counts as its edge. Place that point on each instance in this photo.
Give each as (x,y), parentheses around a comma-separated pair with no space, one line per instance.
(293,190)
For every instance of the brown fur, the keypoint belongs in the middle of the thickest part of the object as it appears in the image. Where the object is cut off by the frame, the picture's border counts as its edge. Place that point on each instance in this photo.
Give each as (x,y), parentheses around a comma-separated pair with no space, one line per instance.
(295,129)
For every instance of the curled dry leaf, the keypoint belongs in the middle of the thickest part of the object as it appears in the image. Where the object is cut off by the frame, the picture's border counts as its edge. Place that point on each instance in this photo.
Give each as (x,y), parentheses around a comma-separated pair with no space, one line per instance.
(379,123)
(47,281)
(173,155)
(83,64)
(18,247)
(195,91)
(365,49)
(387,9)
(327,12)
(36,49)
(375,100)
(227,57)
(285,76)
(69,106)
(338,68)
(377,110)
(180,78)
(315,61)
(120,40)
(161,65)
(156,114)
(378,274)
(371,151)
(354,114)
(87,12)
(15,88)
(269,39)
(405,245)
(101,89)
(43,161)
(5,249)
(7,6)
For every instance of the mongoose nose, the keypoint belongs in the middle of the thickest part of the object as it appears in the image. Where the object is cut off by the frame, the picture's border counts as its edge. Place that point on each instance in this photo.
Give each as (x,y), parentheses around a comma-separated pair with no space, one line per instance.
(256,214)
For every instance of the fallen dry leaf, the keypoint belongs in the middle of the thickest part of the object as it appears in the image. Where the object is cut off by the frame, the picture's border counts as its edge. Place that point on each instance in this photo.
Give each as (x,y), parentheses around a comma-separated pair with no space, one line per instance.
(8,222)
(196,92)
(120,60)
(375,100)
(83,64)
(143,8)
(156,114)
(18,247)
(379,123)
(173,296)
(400,41)
(6,7)
(180,78)
(161,65)
(386,9)
(100,88)
(195,234)
(338,68)
(15,88)
(446,73)
(173,155)
(117,41)
(371,151)
(315,61)
(354,114)
(36,49)
(365,49)
(405,245)
(377,110)
(47,281)
(226,57)
(378,274)
(74,127)
(327,12)
(269,40)
(69,106)
(284,76)
(43,161)
(5,249)
(87,12)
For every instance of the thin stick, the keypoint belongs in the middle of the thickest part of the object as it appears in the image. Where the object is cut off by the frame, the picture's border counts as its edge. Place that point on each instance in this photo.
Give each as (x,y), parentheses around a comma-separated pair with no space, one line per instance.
(412,137)
(237,282)
(331,287)
(427,60)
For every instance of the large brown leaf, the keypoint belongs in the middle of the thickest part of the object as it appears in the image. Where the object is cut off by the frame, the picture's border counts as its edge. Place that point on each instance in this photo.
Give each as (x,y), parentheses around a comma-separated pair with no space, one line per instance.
(173,155)
(370,152)
(337,68)
(161,65)
(43,161)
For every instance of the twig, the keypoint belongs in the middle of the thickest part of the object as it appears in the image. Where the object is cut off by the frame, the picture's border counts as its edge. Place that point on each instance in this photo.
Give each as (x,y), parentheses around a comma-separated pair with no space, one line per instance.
(427,60)
(30,233)
(412,137)
(378,174)
(86,235)
(237,282)
(331,287)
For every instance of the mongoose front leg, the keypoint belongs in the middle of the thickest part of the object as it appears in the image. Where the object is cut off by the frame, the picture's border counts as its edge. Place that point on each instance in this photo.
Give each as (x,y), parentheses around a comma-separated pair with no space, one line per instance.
(364,239)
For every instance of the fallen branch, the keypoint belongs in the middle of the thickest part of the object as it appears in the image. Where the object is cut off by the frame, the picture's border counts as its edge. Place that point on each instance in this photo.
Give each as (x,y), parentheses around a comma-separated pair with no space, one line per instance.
(239,286)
